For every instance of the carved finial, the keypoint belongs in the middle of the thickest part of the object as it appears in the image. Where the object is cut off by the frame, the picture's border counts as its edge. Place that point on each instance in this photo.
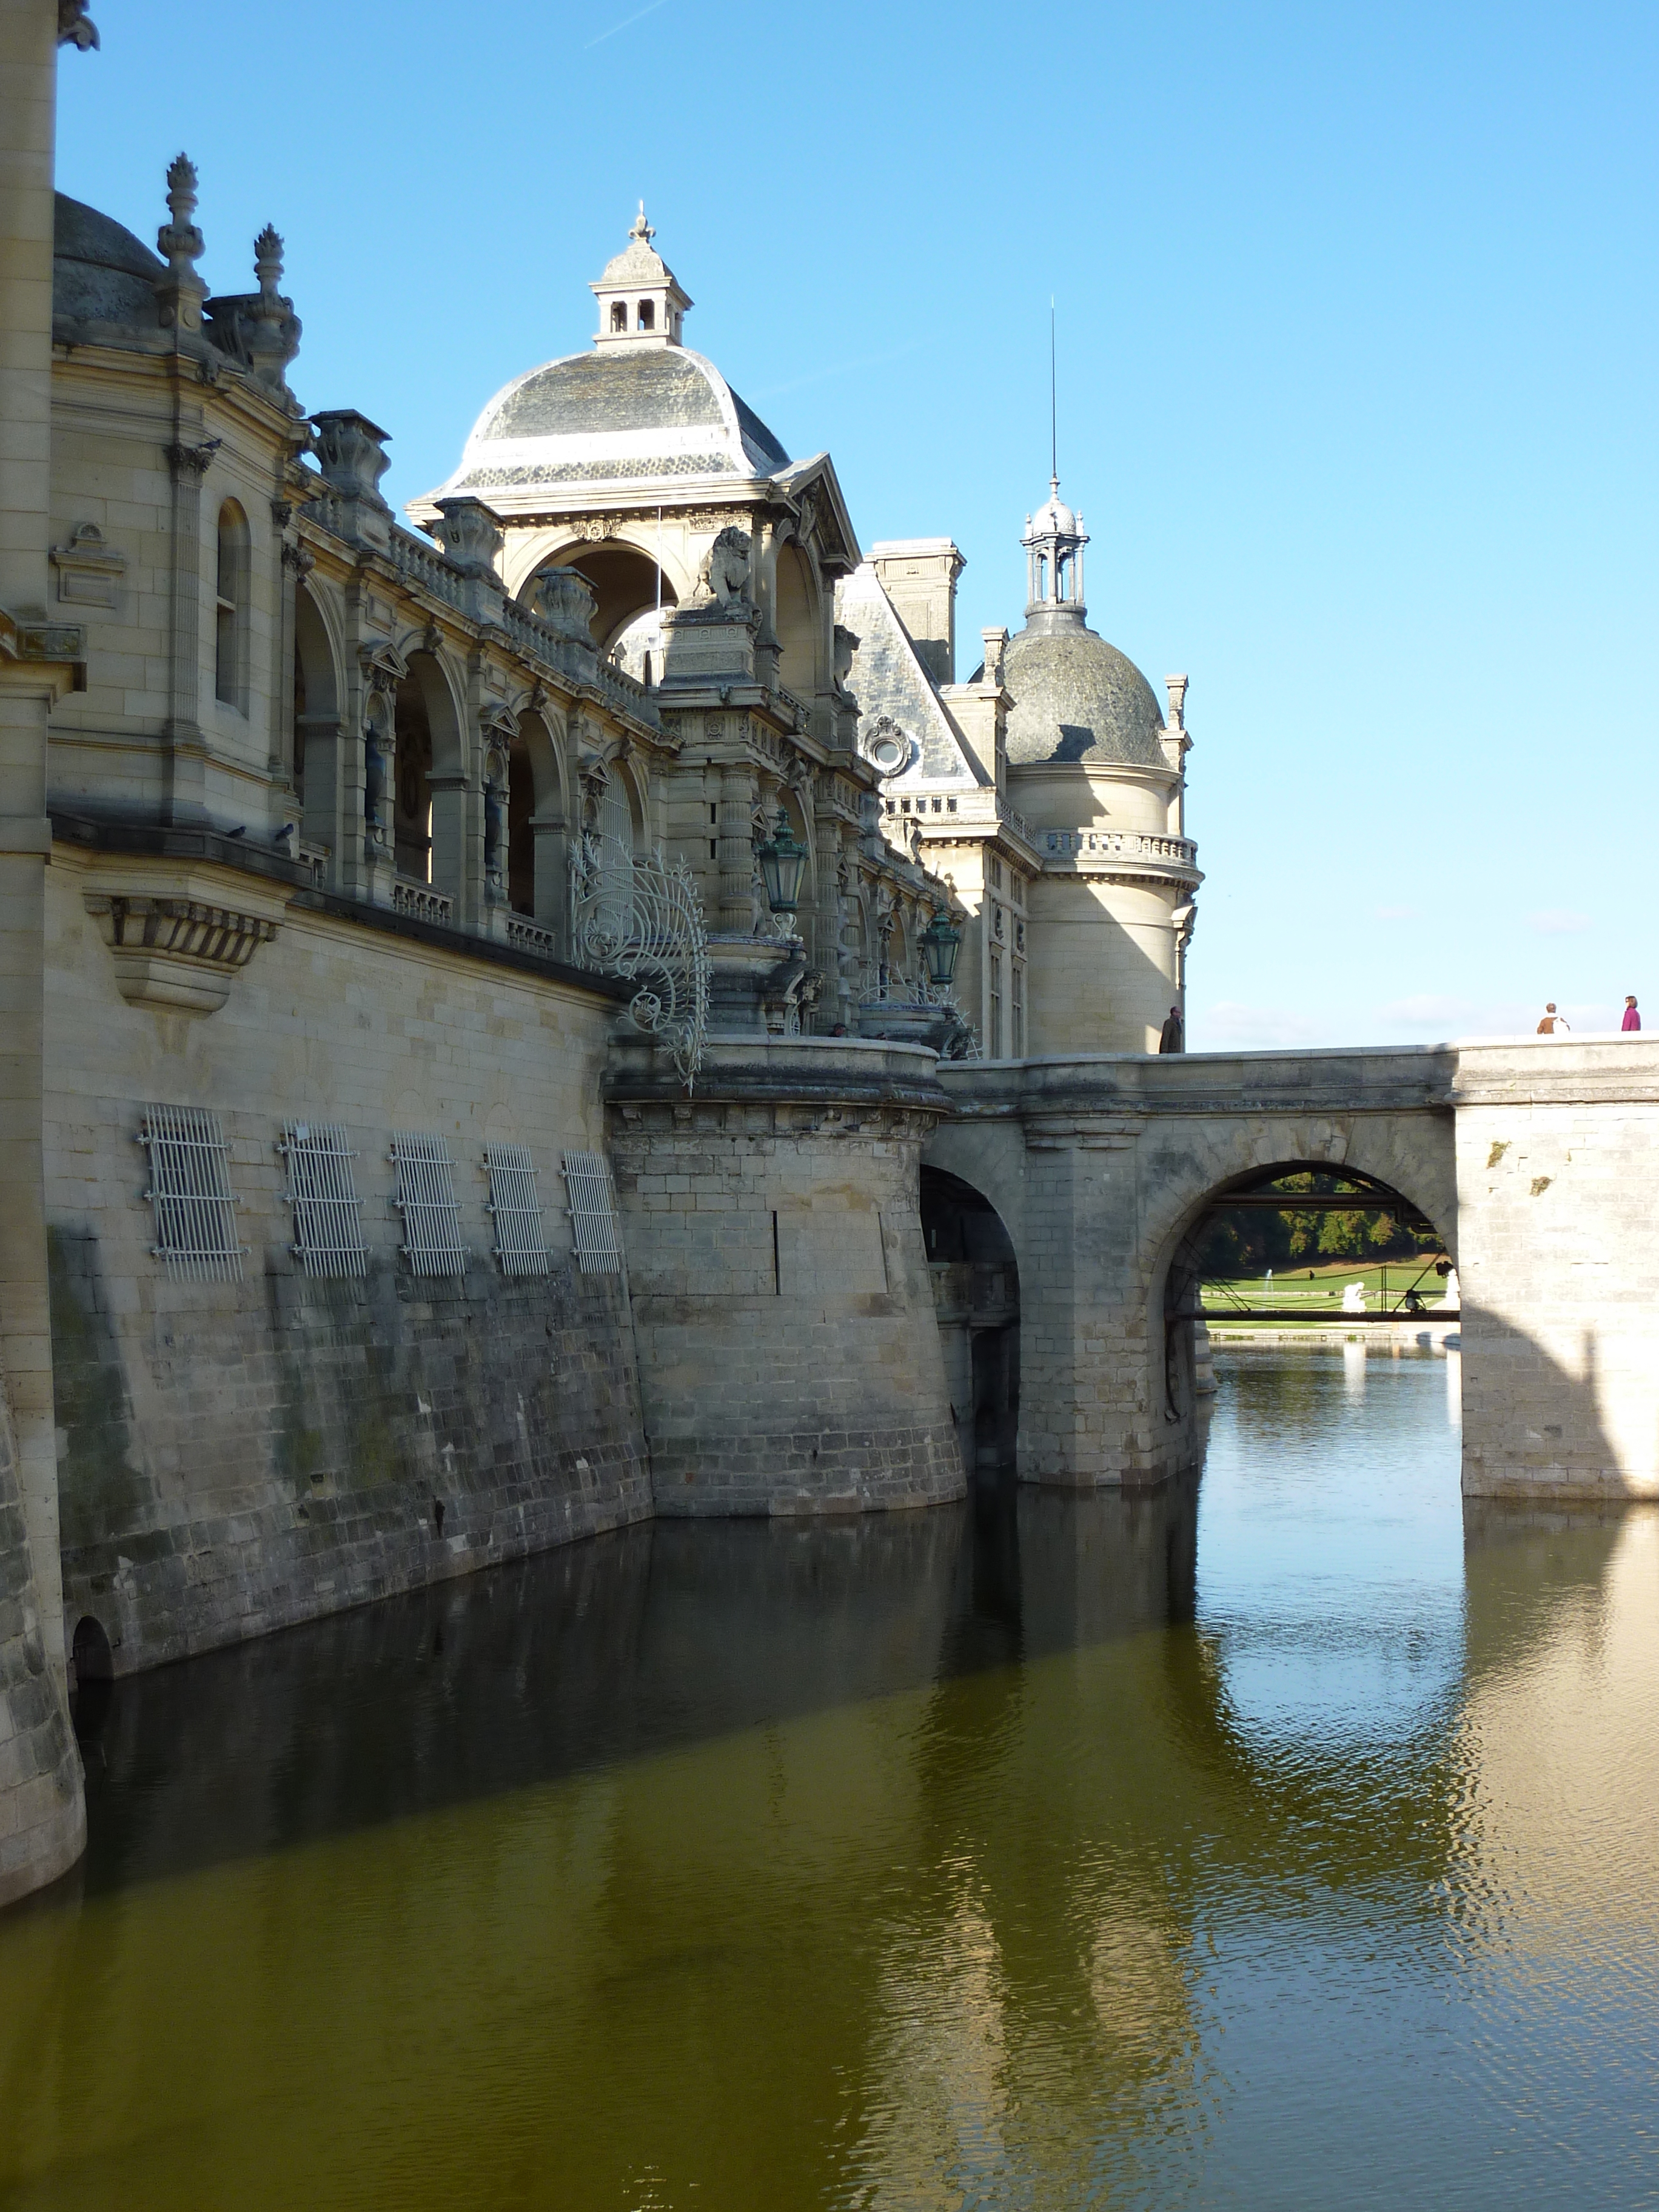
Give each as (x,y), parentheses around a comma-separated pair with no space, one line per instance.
(641,228)
(1177,700)
(272,330)
(180,292)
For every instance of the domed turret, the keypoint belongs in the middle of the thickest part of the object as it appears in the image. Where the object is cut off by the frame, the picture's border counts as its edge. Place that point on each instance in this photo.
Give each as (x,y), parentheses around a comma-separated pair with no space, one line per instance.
(638,411)
(1074,696)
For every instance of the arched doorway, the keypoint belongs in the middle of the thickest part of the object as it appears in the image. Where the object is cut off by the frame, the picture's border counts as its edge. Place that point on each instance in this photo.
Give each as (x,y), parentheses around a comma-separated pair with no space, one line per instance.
(535,820)
(975,1278)
(429,779)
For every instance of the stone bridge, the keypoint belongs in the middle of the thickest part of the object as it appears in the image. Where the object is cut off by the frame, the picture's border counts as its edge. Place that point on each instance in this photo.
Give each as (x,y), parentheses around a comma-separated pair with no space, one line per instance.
(1536,1160)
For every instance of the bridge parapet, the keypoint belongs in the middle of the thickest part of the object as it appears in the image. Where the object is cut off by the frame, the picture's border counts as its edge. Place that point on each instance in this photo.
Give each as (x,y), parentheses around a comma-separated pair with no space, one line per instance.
(1535,1158)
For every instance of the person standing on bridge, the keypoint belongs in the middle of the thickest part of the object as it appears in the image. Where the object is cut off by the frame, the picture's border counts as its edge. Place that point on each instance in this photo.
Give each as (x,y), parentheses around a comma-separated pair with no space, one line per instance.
(1632,1019)
(1172,1037)
(1553,1025)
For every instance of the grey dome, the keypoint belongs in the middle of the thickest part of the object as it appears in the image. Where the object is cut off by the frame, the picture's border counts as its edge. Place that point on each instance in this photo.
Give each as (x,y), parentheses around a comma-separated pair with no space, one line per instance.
(101,273)
(1075,697)
(618,414)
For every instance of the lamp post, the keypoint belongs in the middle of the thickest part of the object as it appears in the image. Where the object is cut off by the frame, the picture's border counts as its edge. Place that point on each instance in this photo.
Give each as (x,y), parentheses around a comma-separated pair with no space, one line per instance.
(940,944)
(783,863)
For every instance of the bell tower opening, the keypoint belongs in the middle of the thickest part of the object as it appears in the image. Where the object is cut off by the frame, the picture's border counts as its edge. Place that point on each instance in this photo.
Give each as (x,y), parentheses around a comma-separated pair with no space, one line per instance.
(641,299)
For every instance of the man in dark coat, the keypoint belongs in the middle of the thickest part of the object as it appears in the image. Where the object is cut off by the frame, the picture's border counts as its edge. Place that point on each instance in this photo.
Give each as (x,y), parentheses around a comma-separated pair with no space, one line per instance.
(1173,1036)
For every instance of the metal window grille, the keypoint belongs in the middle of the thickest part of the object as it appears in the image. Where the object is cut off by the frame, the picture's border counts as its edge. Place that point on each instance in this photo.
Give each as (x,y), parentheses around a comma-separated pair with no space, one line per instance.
(592,1213)
(426,1199)
(189,1189)
(520,1244)
(328,1229)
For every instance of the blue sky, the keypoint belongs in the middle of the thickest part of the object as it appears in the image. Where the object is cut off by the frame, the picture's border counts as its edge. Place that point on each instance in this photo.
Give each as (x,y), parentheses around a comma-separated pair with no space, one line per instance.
(1356,332)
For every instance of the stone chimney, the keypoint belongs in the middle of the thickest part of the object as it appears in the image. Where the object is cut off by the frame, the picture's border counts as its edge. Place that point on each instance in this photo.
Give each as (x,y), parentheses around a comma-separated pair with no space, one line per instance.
(919,575)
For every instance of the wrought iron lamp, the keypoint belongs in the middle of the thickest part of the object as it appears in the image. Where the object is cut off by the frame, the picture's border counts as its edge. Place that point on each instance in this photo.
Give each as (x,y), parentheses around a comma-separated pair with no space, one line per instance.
(783,863)
(940,944)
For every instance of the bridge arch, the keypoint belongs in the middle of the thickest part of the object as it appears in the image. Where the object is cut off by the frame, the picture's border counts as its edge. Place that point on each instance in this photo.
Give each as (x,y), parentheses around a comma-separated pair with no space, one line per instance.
(1328,1187)
(976,1281)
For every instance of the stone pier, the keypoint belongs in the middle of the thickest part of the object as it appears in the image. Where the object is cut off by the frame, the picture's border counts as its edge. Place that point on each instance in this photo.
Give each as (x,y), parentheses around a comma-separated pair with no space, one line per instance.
(789,1357)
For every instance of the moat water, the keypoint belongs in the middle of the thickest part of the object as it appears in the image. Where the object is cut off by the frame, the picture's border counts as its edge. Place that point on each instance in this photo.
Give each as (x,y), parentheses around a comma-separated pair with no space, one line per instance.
(1287,1840)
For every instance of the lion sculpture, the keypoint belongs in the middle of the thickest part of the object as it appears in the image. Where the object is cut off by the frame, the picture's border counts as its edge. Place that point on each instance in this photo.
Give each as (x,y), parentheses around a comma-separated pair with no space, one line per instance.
(723,579)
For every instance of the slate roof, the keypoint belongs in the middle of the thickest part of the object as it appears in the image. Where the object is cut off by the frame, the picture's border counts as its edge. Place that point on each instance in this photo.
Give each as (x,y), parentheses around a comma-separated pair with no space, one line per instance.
(889,679)
(616,414)
(1074,696)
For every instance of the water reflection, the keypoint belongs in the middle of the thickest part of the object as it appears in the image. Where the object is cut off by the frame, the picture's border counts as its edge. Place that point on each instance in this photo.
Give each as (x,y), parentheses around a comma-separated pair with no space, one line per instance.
(1275,1841)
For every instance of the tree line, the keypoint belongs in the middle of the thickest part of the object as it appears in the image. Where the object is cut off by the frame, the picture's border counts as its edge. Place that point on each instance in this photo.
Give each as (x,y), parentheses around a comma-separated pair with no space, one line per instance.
(1249,1243)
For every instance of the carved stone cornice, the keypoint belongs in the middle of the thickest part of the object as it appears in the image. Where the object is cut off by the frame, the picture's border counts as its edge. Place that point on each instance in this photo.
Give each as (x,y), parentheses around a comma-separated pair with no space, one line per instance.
(176,954)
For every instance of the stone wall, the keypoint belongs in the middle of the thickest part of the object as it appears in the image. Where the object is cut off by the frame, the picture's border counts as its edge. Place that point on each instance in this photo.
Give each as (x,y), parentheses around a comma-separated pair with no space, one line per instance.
(789,1356)
(1557,1152)
(234,1455)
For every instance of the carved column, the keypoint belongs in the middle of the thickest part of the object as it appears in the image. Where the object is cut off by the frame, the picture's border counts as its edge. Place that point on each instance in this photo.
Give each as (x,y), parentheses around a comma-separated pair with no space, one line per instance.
(184,794)
(826,919)
(736,849)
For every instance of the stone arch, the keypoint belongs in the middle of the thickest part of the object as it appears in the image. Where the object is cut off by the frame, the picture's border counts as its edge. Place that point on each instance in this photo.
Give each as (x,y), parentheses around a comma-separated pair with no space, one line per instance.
(975,1278)
(429,776)
(621,569)
(1381,1152)
(797,623)
(319,692)
(538,817)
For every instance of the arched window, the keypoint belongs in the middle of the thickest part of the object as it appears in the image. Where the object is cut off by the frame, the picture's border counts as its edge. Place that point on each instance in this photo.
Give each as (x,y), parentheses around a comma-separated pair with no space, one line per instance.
(230,653)
(647,314)
(1042,576)
(619,314)
(1062,576)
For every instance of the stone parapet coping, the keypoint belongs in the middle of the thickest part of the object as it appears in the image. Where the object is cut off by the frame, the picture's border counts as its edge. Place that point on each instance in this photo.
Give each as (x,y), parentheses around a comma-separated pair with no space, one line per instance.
(1346,1079)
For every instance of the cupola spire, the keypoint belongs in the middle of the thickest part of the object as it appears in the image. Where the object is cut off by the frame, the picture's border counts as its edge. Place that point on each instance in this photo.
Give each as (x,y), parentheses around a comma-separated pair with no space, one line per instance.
(641,301)
(1054,540)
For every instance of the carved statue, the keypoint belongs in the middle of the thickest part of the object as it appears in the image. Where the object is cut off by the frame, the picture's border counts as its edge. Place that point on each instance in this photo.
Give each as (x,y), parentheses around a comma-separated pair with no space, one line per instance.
(723,578)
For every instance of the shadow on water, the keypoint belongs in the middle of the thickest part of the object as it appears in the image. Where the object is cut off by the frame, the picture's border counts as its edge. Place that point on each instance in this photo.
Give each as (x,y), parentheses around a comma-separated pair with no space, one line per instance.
(604,1652)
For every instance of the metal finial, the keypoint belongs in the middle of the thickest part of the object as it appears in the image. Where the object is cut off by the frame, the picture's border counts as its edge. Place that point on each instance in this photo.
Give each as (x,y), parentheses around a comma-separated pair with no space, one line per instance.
(1054,403)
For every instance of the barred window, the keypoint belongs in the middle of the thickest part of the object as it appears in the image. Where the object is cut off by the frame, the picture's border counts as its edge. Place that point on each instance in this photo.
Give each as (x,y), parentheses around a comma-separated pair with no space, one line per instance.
(189,1189)
(328,1229)
(426,1199)
(520,1244)
(592,1213)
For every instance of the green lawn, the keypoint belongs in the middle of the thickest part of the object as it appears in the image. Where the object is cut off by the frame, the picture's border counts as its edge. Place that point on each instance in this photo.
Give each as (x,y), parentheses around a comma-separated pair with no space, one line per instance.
(1319,1289)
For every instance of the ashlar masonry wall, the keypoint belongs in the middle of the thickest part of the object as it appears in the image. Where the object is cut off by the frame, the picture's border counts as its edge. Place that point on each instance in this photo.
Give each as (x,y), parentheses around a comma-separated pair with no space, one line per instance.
(1558,1166)
(234,1456)
(790,1358)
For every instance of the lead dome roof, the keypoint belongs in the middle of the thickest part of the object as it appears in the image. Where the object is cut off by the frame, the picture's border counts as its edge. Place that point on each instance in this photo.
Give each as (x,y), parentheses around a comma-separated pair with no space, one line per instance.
(1077,698)
(101,273)
(617,413)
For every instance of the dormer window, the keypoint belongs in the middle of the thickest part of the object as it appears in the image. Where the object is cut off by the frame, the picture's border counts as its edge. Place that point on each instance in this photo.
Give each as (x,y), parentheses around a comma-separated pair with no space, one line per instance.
(647,314)
(619,314)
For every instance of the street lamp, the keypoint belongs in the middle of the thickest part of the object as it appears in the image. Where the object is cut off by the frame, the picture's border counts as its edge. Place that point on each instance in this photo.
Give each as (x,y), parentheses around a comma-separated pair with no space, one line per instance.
(940,944)
(783,864)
